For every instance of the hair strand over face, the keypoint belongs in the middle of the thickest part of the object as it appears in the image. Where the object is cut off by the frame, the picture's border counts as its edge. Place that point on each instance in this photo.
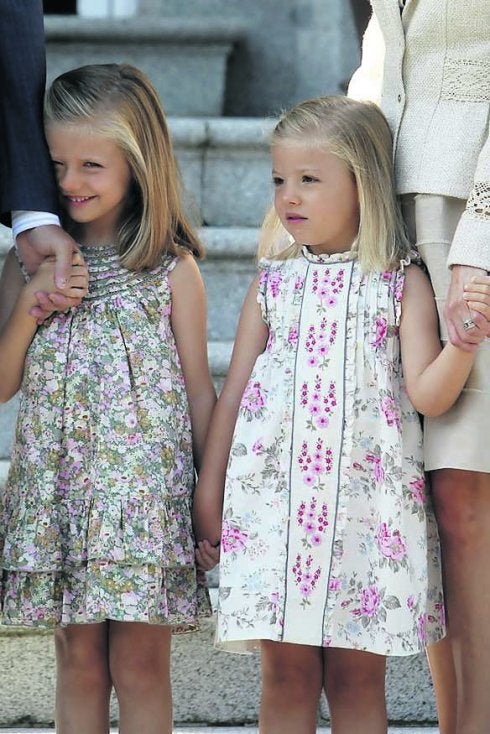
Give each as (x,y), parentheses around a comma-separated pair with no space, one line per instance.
(120,102)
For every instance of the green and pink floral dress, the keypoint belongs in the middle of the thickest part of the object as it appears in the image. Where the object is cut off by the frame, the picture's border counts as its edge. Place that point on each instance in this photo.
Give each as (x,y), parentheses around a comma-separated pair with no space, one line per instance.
(95,519)
(329,538)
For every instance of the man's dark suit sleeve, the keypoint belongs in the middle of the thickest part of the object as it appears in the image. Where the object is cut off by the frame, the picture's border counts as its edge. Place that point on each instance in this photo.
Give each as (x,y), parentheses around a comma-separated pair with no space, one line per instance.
(26,174)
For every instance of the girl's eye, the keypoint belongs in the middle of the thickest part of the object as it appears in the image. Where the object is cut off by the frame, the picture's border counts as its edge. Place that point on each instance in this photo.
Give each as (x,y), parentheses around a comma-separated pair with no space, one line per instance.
(309,179)
(92,164)
(56,164)
(276,181)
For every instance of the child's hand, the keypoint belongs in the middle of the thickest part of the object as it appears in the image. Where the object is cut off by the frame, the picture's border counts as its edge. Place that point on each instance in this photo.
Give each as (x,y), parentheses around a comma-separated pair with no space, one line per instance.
(48,297)
(477,296)
(207,555)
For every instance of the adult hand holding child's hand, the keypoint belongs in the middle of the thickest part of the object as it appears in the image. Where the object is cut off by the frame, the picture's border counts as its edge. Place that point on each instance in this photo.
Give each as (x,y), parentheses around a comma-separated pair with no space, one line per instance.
(50,241)
(51,298)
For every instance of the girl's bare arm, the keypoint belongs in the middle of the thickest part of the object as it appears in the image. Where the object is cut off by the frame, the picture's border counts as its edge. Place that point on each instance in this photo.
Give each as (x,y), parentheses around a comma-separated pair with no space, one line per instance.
(250,341)
(17,325)
(189,325)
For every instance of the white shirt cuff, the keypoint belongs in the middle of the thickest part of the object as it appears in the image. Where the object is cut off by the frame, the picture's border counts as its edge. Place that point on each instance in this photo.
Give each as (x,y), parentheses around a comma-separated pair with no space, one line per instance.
(23,220)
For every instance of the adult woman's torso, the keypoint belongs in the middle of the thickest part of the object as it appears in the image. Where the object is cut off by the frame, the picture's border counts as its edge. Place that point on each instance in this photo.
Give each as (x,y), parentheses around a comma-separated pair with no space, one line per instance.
(436,90)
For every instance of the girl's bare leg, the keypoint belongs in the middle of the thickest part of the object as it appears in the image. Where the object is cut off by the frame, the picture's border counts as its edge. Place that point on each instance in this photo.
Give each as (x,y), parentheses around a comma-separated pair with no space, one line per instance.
(83,683)
(355,689)
(462,502)
(291,688)
(441,664)
(139,659)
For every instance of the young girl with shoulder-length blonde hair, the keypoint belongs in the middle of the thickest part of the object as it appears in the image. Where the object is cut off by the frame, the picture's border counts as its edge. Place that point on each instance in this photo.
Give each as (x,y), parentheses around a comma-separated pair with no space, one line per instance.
(312,482)
(116,397)
(118,102)
(369,160)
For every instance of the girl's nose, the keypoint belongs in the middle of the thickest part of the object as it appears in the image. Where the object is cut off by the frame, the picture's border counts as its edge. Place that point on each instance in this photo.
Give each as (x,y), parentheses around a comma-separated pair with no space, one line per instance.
(290,195)
(68,180)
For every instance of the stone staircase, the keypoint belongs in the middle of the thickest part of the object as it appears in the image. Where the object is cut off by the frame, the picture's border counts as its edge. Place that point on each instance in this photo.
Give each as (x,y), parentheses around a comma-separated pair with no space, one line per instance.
(226,172)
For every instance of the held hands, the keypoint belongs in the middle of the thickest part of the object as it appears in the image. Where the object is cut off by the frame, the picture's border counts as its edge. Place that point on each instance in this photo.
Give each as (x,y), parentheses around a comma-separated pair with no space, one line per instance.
(207,555)
(48,240)
(477,295)
(467,311)
(477,298)
(43,288)
(34,246)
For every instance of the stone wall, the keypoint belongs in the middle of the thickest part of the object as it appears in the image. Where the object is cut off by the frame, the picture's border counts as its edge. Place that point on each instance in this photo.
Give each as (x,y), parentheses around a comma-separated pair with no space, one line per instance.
(292,49)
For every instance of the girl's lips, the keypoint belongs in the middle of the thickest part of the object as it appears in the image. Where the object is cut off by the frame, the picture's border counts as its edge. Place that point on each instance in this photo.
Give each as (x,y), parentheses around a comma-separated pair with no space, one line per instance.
(78,200)
(295,218)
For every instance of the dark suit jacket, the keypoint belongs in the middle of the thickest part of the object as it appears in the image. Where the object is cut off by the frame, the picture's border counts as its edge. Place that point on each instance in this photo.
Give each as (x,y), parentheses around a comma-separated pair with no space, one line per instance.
(26,174)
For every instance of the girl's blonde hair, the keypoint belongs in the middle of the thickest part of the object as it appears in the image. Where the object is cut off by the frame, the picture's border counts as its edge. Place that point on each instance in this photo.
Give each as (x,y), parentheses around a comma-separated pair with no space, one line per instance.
(122,104)
(359,135)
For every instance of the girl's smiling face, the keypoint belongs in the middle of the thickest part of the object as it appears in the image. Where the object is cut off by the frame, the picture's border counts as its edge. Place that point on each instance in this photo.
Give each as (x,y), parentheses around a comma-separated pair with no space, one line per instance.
(93,178)
(315,197)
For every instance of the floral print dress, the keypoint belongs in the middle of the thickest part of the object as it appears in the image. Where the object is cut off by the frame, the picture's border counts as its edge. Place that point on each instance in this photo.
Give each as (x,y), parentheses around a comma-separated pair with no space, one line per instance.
(95,519)
(329,537)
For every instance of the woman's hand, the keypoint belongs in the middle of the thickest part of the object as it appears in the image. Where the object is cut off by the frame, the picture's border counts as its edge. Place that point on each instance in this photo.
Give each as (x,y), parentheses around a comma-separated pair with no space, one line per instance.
(466,326)
(477,295)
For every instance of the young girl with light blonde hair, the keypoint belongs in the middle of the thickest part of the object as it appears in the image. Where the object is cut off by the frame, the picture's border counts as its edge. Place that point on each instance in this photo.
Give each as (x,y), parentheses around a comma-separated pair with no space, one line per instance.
(116,395)
(329,548)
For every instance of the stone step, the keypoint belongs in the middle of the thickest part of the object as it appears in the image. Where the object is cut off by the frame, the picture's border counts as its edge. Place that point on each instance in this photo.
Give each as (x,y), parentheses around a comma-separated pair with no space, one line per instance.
(228,270)
(186,58)
(226,169)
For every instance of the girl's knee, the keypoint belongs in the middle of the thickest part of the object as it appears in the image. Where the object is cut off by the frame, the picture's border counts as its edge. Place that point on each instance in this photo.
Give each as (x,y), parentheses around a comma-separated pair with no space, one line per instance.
(353,684)
(82,655)
(139,664)
(291,668)
(288,677)
(354,675)
(139,676)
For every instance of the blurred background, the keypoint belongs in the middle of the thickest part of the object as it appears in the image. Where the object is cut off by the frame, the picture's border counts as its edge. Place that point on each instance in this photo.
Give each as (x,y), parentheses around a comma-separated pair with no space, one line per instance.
(280,51)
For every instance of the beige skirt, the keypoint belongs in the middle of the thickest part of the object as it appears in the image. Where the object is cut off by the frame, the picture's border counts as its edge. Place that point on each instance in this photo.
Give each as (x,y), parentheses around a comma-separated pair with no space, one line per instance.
(459,439)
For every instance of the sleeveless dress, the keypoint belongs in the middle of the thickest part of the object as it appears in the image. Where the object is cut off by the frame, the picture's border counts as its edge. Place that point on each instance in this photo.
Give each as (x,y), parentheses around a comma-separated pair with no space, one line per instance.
(329,537)
(95,518)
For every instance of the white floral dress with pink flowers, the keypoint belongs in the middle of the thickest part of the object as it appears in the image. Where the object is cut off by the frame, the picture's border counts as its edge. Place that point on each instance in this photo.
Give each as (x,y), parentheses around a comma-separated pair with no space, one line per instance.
(329,537)
(95,519)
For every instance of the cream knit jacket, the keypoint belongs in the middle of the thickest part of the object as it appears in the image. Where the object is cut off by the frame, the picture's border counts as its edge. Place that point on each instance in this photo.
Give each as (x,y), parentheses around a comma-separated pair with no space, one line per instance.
(429,69)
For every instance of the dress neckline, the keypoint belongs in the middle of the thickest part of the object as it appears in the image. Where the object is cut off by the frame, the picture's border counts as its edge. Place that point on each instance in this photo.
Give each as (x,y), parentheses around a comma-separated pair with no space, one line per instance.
(328,258)
(99,249)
